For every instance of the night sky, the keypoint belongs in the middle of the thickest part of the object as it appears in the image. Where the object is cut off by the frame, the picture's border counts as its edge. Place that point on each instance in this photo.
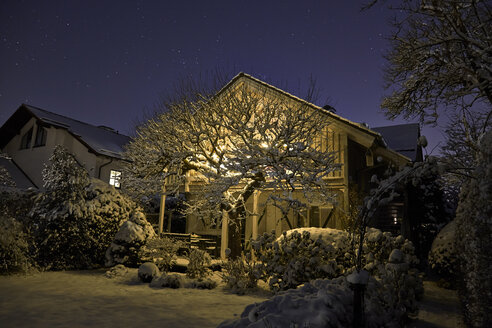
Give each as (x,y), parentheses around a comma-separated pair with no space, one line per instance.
(107,62)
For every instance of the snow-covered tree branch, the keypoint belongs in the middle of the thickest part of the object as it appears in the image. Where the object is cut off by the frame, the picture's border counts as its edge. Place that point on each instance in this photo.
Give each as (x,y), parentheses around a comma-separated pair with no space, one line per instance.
(441,57)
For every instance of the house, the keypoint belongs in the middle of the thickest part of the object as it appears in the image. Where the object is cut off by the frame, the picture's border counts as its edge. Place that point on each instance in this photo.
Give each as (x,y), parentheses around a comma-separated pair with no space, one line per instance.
(360,151)
(30,135)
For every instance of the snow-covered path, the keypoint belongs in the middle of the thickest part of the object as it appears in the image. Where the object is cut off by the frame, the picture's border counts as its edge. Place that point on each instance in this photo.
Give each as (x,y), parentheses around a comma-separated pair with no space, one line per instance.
(88,299)
(438,309)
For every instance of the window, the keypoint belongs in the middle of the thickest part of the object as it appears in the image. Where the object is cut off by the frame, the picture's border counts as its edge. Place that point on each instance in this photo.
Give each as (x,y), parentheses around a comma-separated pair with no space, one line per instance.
(114,178)
(40,137)
(26,140)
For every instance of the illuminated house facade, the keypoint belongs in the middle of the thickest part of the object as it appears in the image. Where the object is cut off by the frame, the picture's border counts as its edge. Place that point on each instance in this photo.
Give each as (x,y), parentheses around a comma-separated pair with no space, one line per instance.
(30,135)
(360,152)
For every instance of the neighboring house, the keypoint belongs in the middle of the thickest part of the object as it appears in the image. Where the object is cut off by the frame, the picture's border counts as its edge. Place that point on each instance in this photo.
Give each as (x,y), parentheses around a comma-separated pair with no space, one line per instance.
(361,152)
(30,135)
(15,173)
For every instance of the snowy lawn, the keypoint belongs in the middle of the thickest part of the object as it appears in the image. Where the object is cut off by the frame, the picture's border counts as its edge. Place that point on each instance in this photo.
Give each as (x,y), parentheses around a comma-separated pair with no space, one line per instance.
(88,298)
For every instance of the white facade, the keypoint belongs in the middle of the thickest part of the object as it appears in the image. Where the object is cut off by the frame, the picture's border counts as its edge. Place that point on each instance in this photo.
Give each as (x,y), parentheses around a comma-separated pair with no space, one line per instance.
(32,157)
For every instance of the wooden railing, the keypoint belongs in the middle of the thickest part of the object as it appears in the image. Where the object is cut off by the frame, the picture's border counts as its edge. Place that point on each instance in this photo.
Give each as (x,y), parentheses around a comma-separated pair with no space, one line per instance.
(207,243)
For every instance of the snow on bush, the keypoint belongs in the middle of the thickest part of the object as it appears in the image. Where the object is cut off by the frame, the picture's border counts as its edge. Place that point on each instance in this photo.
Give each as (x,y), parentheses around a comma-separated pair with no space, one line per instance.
(17,250)
(14,248)
(176,280)
(240,274)
(147,271)
(443,257)
(304,254)
(76,218)
(321,303)
(295,258)
(198,267)
(298,257)
(128,241)
(161,251)
(474,239)
(118,270)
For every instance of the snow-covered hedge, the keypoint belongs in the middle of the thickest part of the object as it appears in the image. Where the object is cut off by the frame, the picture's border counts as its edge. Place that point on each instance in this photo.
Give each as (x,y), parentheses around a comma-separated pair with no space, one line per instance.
(443,257)
(304,254)
(474,239)
(299,256)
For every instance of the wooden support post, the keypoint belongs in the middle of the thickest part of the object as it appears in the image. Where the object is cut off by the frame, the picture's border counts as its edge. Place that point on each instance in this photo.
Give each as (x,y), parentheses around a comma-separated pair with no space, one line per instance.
(256,214)
(254,221)
(224,237)
(162,209)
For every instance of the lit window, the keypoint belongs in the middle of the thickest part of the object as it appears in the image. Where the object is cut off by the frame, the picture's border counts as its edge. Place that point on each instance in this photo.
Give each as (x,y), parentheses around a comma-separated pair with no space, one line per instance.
(114,178)
(26,140)
(40,137)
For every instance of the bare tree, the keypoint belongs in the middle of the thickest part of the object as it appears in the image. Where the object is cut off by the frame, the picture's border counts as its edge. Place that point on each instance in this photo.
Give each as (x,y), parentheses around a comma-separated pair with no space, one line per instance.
(243,139)
(441,57)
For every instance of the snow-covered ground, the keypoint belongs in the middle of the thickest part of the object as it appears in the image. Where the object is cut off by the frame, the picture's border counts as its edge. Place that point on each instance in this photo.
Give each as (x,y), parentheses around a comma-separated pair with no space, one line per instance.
(89,299)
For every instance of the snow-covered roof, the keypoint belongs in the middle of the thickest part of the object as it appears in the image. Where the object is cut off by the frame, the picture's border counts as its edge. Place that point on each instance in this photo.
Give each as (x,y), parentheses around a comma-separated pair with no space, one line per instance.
(402,138)
(18,176)
(327,112)
(98,139)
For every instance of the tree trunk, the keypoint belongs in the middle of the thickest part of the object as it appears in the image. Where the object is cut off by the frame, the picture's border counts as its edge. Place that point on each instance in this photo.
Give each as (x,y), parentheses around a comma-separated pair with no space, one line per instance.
(234,243)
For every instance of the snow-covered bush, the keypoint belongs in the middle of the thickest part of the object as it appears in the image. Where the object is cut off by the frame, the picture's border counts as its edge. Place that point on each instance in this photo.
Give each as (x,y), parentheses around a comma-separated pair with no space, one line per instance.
(240,274)
(474,239)
(17,251)
(198,266)
(443,257)
(176,280)
(14,247)
(160,250)
(379,246)
(128,241)
(320,303)
(296,258)
(118,270)
(305,254)
(147,271)
(168,281)
(76,218)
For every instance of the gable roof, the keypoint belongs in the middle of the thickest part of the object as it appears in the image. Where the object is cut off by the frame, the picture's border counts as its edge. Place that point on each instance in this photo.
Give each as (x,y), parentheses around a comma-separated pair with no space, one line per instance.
(402,138)
(291,96)
(21,180)
(361,128)
(98,139)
